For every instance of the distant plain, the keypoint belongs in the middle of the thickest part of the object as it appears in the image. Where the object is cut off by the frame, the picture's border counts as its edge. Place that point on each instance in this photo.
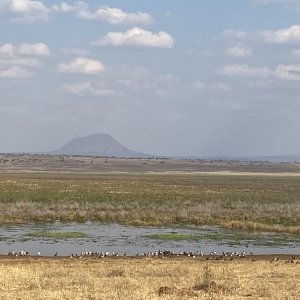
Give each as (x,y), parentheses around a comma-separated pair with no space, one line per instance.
(232,194)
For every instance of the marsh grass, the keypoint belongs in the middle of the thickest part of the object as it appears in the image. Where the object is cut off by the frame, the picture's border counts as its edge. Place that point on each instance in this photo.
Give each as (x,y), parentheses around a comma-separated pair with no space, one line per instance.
(255,226)
(173,237)
(268,203)
(238,238)
(57,234)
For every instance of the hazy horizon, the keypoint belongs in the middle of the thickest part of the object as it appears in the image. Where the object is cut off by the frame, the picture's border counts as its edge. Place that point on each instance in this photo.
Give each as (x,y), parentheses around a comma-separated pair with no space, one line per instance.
(169,78)
(288,156)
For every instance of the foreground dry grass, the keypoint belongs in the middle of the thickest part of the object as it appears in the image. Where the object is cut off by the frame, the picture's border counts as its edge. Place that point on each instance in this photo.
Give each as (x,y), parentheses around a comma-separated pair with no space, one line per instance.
(148,278)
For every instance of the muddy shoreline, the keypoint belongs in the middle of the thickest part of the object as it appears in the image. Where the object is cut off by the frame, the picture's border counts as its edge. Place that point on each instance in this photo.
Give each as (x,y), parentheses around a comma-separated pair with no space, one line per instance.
(272,258)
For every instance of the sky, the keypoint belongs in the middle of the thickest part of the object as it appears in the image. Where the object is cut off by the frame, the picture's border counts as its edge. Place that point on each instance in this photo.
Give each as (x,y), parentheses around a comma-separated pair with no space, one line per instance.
(163,77)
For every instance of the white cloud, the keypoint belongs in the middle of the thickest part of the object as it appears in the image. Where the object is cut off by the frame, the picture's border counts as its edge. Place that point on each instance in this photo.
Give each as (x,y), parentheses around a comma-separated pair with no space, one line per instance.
(283,36)
(282,72)
(239,51)
(261,84)
(7,50)
(125,82)
(26,10)
(13,59)
(288,72)
(86,88)
(116,16)
(107,14)
(136,37)
(14,72)
(27,6)
(164,85)
(201,86)
(168,78)
(289,35)
(244,71)
(236,34)
(65,7)
(26,62)
(30,11)
(82,65)
(38,49)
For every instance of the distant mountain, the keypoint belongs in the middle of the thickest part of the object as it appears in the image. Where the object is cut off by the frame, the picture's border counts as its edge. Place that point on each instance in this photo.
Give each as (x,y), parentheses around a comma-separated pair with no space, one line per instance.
(105,145)
(98,144)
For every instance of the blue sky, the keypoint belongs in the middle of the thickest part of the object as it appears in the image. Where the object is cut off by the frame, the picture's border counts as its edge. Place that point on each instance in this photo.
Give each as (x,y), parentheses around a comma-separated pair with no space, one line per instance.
(165,77)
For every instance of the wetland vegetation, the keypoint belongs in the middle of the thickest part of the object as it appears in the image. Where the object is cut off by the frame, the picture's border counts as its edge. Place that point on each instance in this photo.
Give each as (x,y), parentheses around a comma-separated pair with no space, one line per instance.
(173,237)
(57,234)
(256,202)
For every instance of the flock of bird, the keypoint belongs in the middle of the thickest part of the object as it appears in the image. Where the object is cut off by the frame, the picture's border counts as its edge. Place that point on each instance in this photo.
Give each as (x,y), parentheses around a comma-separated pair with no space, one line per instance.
(214,255)
(145,254)
(159,253)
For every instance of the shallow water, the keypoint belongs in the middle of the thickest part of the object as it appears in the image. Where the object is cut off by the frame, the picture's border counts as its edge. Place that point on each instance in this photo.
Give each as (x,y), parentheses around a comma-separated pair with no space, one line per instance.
(133,240)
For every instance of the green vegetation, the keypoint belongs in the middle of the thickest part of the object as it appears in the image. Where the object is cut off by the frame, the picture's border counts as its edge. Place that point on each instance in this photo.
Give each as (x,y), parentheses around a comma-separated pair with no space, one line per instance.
(173,237)
(256,203)
(57,234)
(234,238)
(238,238)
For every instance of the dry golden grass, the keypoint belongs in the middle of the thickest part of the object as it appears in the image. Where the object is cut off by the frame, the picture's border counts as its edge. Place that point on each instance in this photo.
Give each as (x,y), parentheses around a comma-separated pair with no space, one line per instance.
(147,278)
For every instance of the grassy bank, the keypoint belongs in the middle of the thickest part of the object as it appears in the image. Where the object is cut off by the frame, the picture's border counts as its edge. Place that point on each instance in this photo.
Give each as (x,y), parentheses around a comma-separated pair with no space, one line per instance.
(46,278)
(247,202)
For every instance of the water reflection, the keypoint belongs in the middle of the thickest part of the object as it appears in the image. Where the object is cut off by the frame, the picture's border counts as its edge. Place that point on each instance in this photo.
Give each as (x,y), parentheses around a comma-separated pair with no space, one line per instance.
(134,240)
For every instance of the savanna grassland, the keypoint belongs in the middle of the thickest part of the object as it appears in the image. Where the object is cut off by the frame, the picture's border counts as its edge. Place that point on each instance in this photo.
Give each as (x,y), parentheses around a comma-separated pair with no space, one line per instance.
(255,202)
(148,278)
(259,196)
